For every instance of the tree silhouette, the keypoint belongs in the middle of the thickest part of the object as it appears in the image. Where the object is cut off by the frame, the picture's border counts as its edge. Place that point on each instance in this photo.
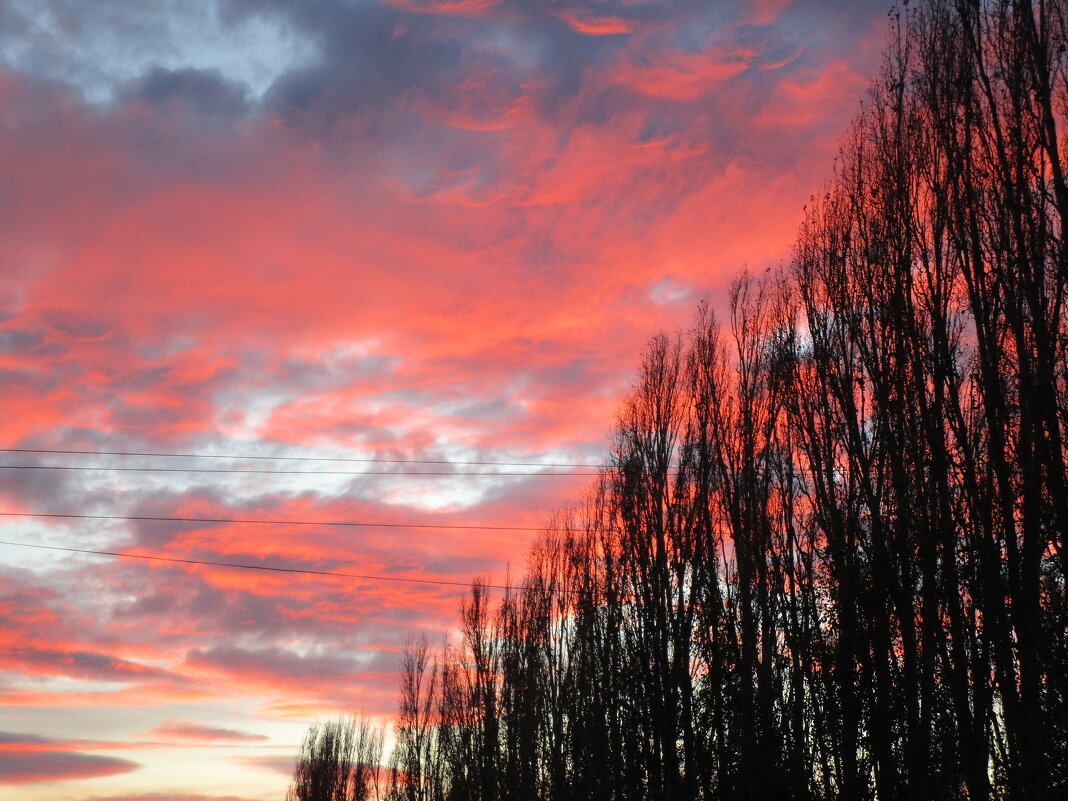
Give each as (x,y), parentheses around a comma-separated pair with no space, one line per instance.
(339,760)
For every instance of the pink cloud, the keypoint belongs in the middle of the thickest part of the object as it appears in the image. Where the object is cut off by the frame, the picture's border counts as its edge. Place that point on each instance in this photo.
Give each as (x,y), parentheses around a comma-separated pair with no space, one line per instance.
(444,6)
(593,25)
(679,76)
(191,731)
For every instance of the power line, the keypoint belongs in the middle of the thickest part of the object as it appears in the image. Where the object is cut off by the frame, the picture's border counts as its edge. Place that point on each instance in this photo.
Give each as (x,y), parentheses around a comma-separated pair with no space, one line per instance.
(295,458)
(278,472)
(332,523)
(237,457)
(671,471)
(264,568)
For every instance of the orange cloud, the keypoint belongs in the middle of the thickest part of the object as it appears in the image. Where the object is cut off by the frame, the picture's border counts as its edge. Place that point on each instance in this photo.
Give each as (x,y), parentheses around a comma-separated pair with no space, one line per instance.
(444,6)
(679,75)
(191,731)
(593,25)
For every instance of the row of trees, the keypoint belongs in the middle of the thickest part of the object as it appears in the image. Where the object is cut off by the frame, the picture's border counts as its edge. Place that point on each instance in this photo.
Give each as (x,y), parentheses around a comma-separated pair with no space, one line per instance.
(827,556)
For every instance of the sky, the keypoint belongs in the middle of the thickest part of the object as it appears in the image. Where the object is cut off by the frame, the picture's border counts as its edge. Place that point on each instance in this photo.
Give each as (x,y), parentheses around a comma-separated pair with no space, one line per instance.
(435,230)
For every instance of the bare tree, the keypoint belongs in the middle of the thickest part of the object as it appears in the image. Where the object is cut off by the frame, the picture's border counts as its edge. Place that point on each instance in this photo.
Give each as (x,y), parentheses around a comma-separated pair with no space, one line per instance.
(340,760)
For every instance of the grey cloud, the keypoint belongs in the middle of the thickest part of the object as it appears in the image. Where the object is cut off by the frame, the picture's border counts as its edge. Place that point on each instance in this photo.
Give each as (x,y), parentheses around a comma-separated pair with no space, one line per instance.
(87,665)
(275,664)
(205,93)
(41,766)
(101,48)
(10,737)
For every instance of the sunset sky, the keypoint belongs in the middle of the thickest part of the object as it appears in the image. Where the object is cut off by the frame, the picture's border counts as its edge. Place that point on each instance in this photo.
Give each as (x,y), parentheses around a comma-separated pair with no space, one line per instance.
(432,230)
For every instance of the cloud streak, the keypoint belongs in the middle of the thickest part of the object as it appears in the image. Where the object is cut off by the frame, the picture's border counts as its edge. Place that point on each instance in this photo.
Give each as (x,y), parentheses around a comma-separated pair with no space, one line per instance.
(187,730)
(30,759)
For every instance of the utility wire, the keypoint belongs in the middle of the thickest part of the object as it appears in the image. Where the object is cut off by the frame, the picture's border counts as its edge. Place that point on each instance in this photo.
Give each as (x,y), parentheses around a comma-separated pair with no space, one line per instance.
(264,471)
(294,458)
(279,472)
(797,469)
(340,523)
(264,568)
